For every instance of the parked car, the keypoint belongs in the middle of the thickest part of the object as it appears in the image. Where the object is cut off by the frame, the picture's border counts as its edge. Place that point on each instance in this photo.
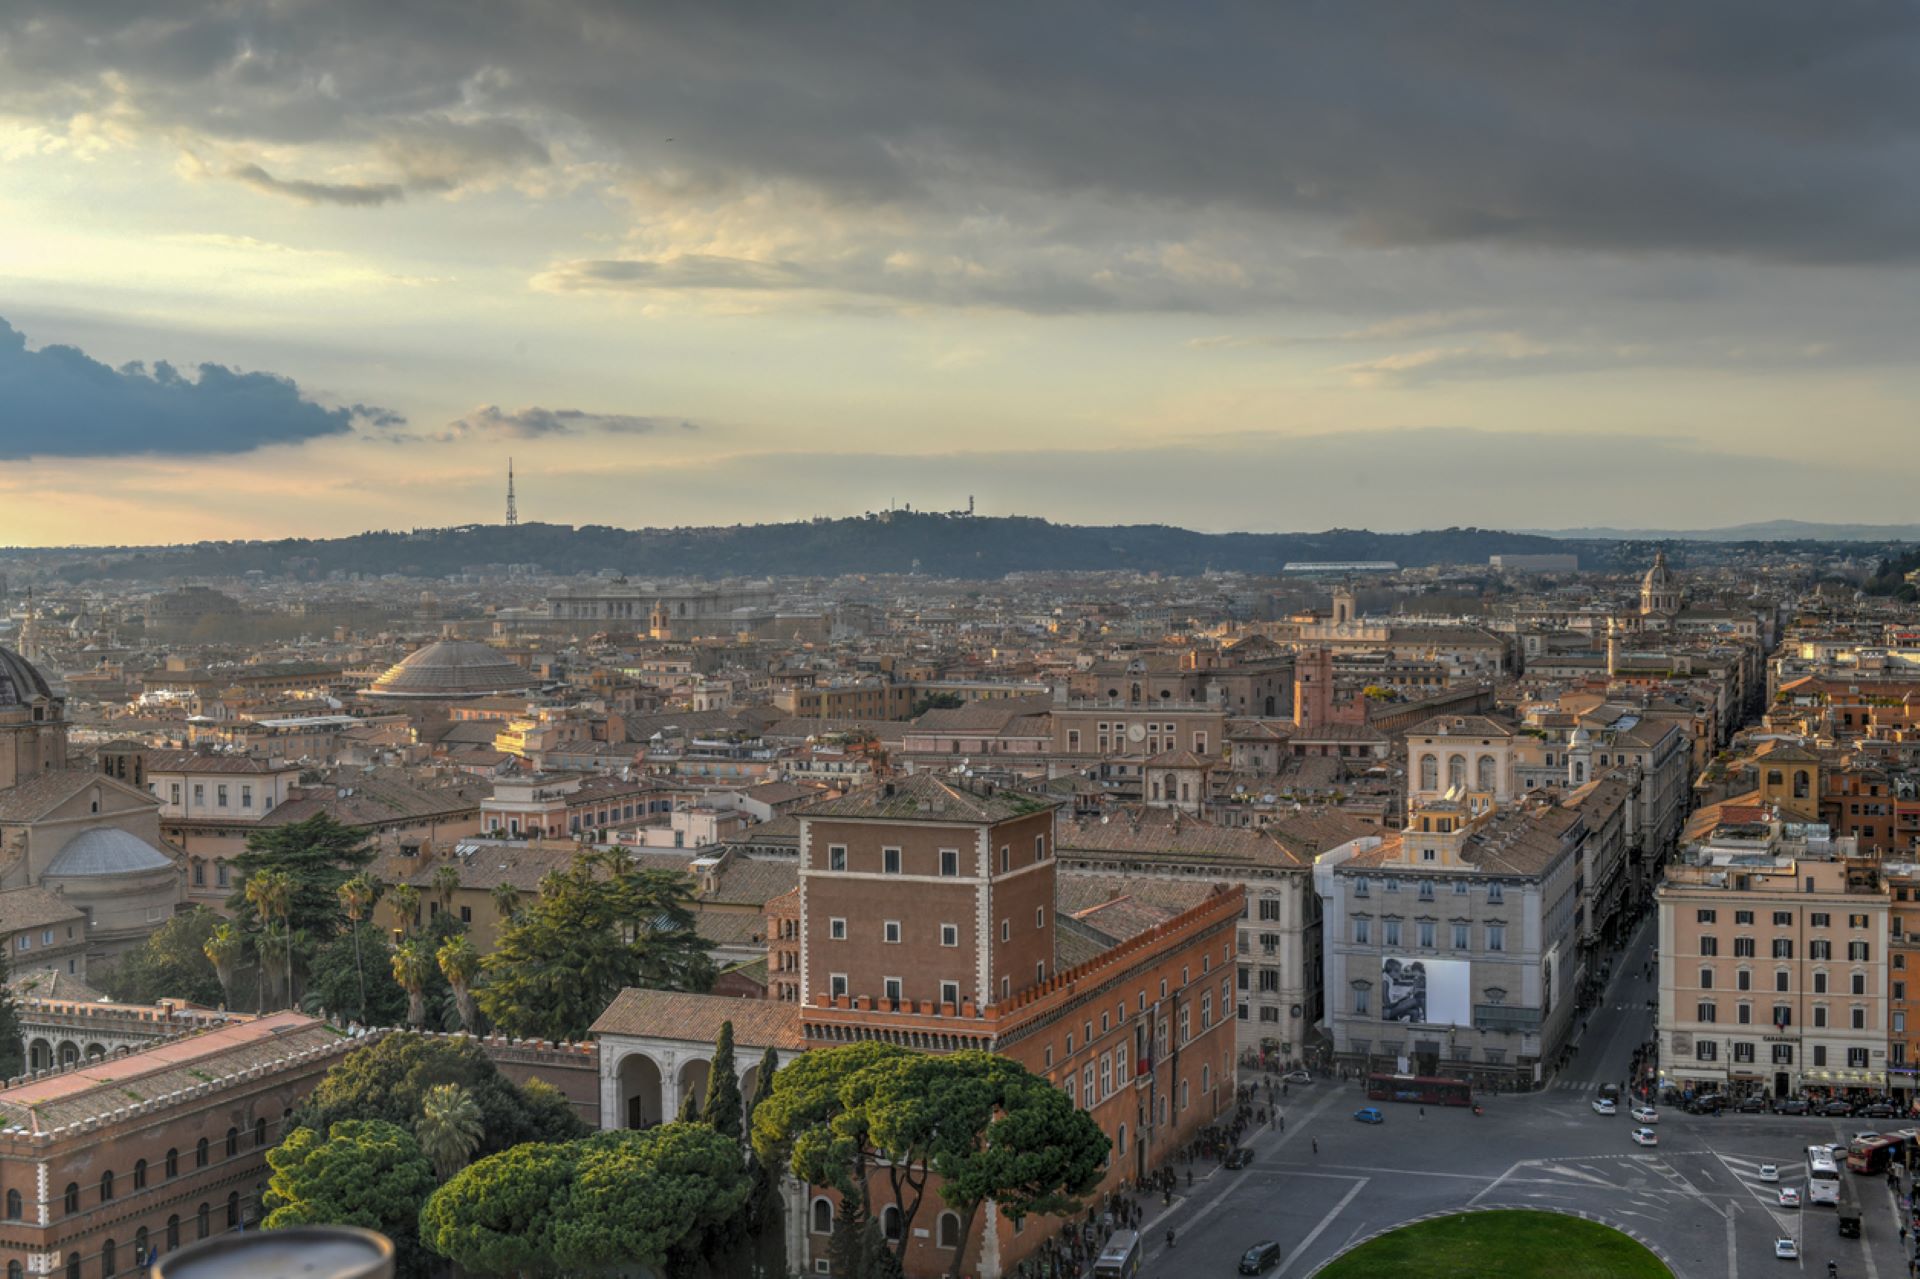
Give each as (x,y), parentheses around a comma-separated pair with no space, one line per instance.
(1601,1106)
(1646,1114)
(1370,1115)
(1769,1172)
(1708,1104)
(1645,1137)
(1239,1157)
(1878,1110)
(1793,1106)
(1754,1105)
(1786,1249)
(1789,1197)
(1835,1109)
(1297,1077)
(1260,1258)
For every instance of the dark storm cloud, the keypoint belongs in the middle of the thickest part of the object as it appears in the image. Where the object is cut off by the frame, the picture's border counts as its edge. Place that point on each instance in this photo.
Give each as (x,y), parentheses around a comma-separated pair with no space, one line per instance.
(535,423)
(58,402)
(359,194)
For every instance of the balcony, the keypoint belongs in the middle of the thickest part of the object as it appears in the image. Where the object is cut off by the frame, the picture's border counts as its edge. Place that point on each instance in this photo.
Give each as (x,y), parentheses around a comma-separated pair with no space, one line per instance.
(1505,1017)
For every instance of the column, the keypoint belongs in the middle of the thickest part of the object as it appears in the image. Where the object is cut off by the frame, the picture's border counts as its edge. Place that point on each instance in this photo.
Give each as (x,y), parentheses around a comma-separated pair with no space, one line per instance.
(613,1107)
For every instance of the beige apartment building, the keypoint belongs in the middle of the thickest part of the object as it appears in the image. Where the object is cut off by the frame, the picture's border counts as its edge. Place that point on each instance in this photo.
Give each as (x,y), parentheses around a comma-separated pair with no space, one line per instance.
(1773,964)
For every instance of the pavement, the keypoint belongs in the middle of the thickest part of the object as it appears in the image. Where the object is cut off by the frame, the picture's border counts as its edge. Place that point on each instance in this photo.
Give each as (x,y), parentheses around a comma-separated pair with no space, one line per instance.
(1696,1197)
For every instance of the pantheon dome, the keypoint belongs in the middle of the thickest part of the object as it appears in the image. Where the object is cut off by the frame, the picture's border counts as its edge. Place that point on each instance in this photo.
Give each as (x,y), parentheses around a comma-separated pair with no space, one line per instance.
(451,669)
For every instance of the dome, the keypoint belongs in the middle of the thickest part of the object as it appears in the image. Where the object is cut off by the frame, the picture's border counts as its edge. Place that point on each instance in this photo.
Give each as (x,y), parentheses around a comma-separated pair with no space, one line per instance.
(106,851)
(452,668)
(20,683)
(1657,578)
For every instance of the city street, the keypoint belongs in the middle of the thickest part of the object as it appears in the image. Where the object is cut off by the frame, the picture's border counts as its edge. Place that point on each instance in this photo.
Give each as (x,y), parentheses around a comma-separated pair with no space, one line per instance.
(1696,1196)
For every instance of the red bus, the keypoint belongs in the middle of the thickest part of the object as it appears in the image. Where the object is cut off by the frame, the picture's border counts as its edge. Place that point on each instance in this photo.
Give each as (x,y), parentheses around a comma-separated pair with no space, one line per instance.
(1873,1154)
(1425,1089)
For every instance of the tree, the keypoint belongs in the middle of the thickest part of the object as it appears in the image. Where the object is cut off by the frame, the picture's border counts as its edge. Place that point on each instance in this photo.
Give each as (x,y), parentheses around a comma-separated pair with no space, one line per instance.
(762,1083)
(690,1107)
(446,882)
(412,967)
(389,1079)
(316,855)
(405,900)
(335,977)
(269,892)
(274,946)
(448,1128)
(170,964)
(13,1040)
(223,949)
(460,963)
(812,1124)
(597,926)
(649,1198)
(506,900)
(721,1111)
(362,1173)
(496,1216)
(357,896)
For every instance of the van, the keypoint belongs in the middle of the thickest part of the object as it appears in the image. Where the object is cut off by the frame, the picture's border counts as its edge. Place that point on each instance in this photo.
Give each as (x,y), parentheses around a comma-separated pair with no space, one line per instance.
(1120,1258)
(1260,1258)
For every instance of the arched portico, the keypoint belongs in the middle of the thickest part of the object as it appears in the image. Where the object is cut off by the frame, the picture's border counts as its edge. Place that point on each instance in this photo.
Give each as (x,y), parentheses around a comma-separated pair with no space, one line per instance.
(640,1095)
(40,1054)
(693,1079)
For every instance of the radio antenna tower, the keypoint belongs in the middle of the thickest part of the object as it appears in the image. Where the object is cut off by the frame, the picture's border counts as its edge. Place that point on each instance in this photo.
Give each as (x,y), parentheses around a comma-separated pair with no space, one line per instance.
(513,516)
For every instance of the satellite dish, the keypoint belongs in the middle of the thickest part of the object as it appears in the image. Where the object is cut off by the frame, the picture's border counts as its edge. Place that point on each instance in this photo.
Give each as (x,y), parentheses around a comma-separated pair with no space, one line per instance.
(1268,798)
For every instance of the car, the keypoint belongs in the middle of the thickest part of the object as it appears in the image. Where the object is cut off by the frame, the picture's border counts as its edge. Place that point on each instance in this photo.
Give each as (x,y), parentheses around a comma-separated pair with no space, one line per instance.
(1793,1106)
(1789,1197)
(1260,1258)
(1370,1115)
(1836,1109)
(1646,1114)
(1754,1105)
(1296,1077)
(1239,1157)
(1601,1106)
(1786,1249)
(1769,1172)
(1645,1137)
(1865,1136)
(1878,1110)
(1709,1104)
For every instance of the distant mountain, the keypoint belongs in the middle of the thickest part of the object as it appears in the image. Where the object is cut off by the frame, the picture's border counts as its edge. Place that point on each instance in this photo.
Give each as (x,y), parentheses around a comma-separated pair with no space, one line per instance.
(1764,531)
(895,542)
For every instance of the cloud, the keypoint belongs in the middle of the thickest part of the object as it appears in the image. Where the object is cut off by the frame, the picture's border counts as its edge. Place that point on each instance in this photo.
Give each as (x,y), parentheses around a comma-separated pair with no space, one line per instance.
(535,423)
(59,402)
(352,194)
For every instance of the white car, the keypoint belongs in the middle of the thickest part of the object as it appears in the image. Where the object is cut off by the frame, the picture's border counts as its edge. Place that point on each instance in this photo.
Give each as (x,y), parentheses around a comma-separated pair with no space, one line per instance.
(1646,1114)
(1645,1137)
(1865,1136)
(1297,1077)
(1769,1172)
(1785,1248)
(1789,1197)
(1602,1106)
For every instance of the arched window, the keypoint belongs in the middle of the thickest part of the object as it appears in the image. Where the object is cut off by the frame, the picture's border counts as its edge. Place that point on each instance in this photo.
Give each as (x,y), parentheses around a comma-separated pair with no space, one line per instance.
(15,1209)
(1429,772)
(106,1185)
(1799,783)
(1456,771)
(1120,1145)
(200,1154)
(173,1232)
(1487,770)
(259,1132)
(141,1250)
(139,1174)
(206,1221)
(109,1258)
(72,1201)
(890,1223)
(73,1265)
(173,1163)
(949,1230)
(233,1142)
(233,1210)
(822,1216)
(14,1270)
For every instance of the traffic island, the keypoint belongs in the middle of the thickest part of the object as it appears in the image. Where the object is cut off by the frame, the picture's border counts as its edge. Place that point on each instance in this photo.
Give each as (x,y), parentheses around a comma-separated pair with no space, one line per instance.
(1509,1243)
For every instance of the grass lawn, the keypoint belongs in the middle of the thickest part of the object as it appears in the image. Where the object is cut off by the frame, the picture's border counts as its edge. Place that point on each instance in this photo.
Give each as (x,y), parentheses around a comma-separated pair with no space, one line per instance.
(1507,1245)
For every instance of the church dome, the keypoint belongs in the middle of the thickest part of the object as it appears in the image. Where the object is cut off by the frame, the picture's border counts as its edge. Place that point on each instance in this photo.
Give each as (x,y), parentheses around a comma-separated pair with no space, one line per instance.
(106,851)
(452,669)
(1658,578)
(20,683)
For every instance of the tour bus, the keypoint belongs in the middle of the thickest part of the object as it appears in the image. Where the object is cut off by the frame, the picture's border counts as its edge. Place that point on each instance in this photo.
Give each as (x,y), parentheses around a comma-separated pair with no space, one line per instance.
(1823,1176)
(1120,1258)
(1847,1206)
(1873,1154)
(1425,1089)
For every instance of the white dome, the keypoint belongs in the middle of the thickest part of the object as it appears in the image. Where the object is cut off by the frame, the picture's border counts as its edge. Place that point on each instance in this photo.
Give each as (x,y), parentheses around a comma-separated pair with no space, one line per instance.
(106,851)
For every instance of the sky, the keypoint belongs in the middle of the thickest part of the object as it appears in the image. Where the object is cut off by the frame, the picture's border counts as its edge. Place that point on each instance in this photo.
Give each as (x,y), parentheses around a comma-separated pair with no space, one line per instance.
(309,267)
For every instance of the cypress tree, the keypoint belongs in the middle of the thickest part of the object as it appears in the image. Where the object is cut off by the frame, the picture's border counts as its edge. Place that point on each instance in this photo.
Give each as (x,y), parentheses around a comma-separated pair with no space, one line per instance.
(722,1109)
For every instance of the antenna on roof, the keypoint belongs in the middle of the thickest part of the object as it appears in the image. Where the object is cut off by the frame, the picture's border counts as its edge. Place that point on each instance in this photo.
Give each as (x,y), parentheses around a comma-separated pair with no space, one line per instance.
(513,516)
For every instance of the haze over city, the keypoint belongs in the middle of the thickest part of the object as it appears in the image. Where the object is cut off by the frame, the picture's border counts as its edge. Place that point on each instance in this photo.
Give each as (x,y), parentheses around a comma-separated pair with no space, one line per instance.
(1229,267)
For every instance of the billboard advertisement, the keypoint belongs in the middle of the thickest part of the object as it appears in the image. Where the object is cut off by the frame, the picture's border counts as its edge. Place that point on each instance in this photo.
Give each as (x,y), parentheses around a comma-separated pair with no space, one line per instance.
(1430,991)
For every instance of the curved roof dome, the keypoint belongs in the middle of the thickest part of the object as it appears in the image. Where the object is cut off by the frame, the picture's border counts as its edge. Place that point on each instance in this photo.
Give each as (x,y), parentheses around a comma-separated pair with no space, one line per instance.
(20,683)
(452,668)
(106,851)
(1658,577)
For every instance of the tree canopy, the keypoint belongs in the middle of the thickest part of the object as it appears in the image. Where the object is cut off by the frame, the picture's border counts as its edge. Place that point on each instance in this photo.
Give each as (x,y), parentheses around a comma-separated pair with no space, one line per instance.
(362,1173)
(13,1044)
(389,1079)
(497,1215)
(598,926)
(172,963)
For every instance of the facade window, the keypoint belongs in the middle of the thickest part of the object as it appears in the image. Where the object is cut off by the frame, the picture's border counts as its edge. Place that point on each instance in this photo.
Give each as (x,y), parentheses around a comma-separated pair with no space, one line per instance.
(1426,934)
(1039,916)
(1783,919)
(1859,983)
(1857,951)
(949,1232)
(71,1202)
(836,856)
(1709,945)
(1819,1016)
(1393,932)
(890,861)
(233,1142)
(1783,948)
(1743,980)
(1703,916)
(1743,947)
(1859,1018)
(15,1208)
(949,935)
(1743,917)
(950,992)
(106,1185)
(139,1174)
(823,1216)
(950,862)
(1496,894)
(1780,980)
(836,930)
(1006,859)
(1363,932)
(1782,1015)
(890,931)
(1705,1050)
(1360,1002)
(1819,983)
(837,984)
(1360,887)
(1460,937)
(173,1164)
(1706,979)
(1426,890)
(1269,909)
(1496,937)
(1705,1012)
(1743,1051)
(1819,1055)
(1857,1058)
(891,987)
(1819,950)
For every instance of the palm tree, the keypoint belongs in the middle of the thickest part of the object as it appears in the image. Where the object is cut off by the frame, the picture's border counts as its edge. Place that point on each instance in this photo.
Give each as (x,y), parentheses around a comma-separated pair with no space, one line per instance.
(506,900)
(274,944)
(446,882)
(406,904)
(413,968)
(223,949)
(448,1128)
(460,964)
(356,898)
(270,893)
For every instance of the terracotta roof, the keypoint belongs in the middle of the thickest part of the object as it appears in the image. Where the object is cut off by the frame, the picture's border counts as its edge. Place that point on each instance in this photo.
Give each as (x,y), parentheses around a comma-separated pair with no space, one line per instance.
(989,716)
(669,1014)
(44,792)
(1088,895)
(203,762)
(1181,759)
(730,927)
(1154,834)
(1460,726)
(925,797)
(754,880)
(34,908)
(779,792)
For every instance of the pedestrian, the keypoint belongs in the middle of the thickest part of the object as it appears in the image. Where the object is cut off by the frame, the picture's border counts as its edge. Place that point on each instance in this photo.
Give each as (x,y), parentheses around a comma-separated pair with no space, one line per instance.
(1316,1145)
(1423,1112)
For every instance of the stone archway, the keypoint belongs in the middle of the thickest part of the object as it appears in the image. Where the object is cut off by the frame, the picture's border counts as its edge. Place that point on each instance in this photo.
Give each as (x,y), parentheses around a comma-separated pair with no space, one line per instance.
(69,1052)
(640,1091)
(693,1079)
(750,1082)
(40,1055)
(96,1051)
